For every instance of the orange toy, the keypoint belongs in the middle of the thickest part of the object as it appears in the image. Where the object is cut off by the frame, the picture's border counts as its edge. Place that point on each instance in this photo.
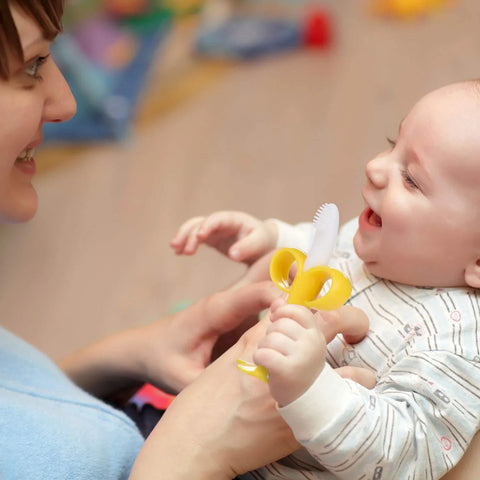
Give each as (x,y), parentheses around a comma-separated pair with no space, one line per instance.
(405,9)
(126,8)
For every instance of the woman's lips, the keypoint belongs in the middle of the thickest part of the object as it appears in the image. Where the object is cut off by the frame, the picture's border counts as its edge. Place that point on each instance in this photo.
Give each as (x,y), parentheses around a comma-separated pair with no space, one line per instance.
(25,161)
(369,221)
(28,167)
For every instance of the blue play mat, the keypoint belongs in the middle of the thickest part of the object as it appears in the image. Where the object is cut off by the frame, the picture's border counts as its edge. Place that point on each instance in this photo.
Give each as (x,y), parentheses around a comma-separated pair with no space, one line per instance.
(106,97)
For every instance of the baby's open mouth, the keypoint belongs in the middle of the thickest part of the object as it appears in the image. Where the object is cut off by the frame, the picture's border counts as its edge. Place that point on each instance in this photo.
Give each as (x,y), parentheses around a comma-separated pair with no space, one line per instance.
(374,219)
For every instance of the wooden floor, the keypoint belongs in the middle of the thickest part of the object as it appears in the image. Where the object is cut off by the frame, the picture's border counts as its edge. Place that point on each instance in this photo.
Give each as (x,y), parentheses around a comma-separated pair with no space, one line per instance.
(275,137)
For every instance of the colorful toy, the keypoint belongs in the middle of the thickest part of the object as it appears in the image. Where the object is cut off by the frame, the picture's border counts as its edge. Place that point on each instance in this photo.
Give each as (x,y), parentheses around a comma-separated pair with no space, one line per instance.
(245,35)
(106,43)
(106,63)
(126,8)
(311,276)
(148,394)
(406,9)
(318,29)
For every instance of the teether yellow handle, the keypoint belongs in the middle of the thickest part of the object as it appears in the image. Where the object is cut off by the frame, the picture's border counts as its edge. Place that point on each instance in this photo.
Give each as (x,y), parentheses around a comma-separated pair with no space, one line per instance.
(306,286)
(254,370)
(304,290)
(338,293)
(280,266)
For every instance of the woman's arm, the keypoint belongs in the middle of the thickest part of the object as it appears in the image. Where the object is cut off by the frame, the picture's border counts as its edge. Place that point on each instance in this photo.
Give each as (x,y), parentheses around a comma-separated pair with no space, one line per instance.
(223,424)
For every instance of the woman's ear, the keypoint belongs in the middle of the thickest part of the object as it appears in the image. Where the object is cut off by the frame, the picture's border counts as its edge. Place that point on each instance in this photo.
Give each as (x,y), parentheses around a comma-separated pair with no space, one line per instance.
(472,274)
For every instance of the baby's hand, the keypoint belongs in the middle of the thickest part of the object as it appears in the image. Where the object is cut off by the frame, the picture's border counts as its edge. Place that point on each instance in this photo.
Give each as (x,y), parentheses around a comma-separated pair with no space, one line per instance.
(241,237)
(293,350)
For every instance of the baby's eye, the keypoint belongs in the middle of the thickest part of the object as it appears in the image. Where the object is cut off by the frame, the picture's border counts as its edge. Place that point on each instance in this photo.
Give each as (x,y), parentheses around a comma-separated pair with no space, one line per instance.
(391,142)
(409,181)
(33,67)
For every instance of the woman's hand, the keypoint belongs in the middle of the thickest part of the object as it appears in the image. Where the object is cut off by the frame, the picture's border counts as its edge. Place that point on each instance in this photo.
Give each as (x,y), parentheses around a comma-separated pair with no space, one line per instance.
(197,335)
(223,424)
(173,351)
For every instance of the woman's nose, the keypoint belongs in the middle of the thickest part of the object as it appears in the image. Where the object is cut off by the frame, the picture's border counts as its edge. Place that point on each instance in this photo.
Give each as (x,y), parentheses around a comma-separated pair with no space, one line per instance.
(377,172)
(59,104)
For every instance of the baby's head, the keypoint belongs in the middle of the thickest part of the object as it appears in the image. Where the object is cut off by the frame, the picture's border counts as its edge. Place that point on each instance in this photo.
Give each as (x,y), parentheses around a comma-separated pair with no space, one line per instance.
(421,224)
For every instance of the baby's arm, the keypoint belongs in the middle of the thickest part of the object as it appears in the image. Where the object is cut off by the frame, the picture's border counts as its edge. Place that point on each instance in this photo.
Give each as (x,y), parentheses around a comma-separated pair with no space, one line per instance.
(293,350)
(294,347)
(404,428)
(238,235)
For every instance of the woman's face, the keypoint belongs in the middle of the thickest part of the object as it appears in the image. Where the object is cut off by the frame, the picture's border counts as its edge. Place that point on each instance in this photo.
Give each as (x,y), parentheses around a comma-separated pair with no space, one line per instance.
(35,93)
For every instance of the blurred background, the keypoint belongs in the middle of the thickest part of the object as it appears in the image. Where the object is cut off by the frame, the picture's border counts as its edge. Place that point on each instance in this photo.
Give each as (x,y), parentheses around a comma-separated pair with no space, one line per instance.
(191,106)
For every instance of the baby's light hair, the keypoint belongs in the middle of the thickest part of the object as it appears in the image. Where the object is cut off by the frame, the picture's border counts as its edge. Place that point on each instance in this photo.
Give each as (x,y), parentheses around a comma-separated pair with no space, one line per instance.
(473,84)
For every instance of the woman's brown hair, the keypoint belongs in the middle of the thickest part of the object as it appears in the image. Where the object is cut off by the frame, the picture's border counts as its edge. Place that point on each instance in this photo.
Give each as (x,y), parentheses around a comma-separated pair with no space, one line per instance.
(47,14)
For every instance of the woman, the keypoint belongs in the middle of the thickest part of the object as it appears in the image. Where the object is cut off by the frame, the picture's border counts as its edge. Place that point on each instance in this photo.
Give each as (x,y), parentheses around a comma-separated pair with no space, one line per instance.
(51,427)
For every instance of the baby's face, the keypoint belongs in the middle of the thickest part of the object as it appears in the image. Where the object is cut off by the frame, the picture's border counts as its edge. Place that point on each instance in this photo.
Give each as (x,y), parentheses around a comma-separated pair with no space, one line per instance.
(421,224)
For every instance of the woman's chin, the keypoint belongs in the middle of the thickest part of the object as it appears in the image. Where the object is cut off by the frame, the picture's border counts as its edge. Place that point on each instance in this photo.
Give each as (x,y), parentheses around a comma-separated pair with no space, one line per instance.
(20,211)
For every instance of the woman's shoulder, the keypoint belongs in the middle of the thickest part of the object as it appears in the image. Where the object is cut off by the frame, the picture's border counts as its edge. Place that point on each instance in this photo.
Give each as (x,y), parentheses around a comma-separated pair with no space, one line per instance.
(47,420)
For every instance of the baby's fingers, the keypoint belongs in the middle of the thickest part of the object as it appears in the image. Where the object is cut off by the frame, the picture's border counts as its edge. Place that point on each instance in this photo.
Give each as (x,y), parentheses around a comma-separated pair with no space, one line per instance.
(185,238)
(287,327)
(277,342)
(270,358)
(192,242)
(282,339)
(249,248)
(298,313)
(217,222)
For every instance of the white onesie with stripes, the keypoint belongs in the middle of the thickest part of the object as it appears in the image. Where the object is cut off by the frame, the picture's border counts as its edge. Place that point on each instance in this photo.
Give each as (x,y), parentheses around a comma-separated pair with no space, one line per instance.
(424,346)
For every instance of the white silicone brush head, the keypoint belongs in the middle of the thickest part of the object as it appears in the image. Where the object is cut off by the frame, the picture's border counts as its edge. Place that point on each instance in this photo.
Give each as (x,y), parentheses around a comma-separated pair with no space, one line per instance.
(325,221)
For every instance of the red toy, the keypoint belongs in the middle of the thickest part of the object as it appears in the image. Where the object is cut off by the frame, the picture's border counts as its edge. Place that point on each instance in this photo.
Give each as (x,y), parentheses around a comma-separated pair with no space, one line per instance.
(153,396)
(318,29)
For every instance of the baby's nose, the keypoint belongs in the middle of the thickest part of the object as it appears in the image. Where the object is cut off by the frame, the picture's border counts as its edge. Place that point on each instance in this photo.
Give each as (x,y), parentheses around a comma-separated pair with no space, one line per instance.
(377,173)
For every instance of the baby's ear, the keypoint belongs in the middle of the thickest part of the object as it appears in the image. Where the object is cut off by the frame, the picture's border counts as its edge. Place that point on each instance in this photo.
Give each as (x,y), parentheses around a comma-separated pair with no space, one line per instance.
(472,274)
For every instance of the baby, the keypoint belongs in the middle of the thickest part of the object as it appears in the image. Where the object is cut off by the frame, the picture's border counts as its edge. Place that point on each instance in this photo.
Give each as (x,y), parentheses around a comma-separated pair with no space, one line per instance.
(413,257)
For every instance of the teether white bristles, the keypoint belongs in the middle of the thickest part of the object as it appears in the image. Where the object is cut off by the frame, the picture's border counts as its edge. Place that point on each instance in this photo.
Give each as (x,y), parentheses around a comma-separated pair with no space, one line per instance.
(325,222)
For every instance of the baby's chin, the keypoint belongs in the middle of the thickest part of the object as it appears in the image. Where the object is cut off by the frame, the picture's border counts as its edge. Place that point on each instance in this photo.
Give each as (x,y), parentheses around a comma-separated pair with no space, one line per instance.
(405,278)
(359,248)
(374,266)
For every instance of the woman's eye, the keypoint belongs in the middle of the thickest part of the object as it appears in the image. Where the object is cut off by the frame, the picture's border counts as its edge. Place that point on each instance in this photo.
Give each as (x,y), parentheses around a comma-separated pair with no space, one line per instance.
(33,67)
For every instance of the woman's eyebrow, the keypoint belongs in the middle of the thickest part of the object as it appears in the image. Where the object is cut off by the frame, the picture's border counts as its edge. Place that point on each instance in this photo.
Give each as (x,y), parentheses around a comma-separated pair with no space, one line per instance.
(28,57)
(34,50)
(32,44)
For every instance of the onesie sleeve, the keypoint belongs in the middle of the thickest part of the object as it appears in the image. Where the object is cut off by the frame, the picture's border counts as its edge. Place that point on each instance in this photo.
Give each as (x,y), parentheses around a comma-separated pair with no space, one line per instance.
(416,423)
(294,236)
